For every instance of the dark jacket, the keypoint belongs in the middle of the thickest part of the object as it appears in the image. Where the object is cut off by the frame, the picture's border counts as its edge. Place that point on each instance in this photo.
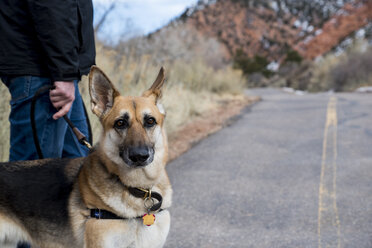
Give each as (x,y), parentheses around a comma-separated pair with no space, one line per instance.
(46,38)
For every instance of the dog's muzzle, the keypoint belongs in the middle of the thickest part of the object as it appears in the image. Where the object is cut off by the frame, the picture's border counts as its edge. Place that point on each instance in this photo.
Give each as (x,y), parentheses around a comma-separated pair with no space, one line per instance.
(139,156)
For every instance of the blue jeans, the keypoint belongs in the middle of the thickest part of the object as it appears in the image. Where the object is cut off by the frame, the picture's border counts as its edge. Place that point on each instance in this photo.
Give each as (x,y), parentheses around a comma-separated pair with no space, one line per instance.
(55,137)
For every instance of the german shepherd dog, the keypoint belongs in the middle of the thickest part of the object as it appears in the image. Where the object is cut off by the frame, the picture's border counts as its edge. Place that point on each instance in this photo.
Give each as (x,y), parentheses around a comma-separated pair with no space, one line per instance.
(118,196)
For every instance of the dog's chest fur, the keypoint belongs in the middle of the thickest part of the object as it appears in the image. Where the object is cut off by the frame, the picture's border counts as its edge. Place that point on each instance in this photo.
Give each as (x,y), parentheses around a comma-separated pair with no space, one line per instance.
(129,232)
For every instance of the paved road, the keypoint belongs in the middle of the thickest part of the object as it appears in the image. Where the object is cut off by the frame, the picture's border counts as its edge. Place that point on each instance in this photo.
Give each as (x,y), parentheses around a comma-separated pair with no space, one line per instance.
(293,171)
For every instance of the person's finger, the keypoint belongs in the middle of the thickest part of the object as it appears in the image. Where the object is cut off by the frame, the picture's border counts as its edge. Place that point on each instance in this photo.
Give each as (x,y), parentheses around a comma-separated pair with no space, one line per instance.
(59,100)
(61,93)
(57,92)
(56,99)
(64,110)
(60,104)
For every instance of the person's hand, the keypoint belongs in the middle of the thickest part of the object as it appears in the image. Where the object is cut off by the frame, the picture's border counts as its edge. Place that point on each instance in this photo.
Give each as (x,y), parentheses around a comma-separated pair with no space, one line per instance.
(62,97)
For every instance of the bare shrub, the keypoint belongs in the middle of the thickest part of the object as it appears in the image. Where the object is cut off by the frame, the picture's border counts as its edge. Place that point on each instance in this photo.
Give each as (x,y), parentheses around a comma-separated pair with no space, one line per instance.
(177,41)
(354,72)
(344,72)
(321,79)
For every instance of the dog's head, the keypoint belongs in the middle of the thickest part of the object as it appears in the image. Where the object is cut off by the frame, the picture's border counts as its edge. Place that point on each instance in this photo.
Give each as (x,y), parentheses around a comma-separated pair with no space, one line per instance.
(133,133)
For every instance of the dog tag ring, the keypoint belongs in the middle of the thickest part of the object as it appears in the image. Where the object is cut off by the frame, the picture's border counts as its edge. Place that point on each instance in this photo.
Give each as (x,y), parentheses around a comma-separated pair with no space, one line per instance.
(148,219)
(148,203)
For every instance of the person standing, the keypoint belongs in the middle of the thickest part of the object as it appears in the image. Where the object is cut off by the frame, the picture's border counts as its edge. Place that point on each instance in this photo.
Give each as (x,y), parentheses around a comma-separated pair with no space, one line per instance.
(46,43)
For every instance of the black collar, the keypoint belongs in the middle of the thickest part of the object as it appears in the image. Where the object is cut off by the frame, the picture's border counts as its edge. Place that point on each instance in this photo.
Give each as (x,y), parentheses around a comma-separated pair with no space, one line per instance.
(136,192)
(144,193)
(104,214)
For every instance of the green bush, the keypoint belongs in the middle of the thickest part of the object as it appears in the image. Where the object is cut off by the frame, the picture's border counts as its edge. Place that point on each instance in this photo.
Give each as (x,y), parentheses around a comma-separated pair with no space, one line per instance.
(248,65)
(293,56)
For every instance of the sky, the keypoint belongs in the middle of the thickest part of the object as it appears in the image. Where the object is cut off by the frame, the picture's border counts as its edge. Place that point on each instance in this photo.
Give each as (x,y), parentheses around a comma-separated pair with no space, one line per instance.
(135,17)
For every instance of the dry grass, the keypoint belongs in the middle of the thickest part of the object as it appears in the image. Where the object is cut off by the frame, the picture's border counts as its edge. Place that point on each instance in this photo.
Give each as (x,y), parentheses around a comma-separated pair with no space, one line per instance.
(190,90)
(4,123)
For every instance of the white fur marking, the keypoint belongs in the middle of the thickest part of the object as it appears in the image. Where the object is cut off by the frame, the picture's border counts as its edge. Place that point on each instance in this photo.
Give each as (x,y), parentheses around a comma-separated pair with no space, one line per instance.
(161,108)
(10,234)
(110,146)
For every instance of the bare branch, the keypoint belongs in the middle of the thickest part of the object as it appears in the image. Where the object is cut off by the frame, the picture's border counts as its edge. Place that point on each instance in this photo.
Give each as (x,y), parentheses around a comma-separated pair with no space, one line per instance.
(104,16)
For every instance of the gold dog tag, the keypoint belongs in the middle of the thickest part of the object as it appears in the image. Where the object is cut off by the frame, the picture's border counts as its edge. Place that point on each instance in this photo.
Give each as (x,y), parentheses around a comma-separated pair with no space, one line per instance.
(148,219)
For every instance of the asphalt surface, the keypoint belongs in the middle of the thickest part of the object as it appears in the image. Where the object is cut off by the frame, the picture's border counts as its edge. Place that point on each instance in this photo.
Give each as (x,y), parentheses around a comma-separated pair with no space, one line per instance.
(292,171)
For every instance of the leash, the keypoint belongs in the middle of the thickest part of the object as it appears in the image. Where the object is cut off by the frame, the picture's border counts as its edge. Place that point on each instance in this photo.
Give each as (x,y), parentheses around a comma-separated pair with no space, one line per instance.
(79,135)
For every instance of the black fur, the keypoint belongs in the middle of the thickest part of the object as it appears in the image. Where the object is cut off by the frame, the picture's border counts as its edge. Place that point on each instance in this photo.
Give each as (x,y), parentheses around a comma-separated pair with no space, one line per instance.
(37,192)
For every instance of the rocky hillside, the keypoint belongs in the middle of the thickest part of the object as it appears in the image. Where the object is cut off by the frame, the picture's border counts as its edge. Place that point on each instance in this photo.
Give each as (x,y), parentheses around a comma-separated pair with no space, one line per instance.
(350,19)
(273,28)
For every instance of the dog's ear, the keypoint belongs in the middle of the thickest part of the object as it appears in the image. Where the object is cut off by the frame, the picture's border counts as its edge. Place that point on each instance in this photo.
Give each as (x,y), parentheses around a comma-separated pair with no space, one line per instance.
(156,88)
(102,92)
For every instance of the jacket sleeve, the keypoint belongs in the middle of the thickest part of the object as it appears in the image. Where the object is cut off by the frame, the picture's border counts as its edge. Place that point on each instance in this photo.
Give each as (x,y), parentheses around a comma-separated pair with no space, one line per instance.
(56,25)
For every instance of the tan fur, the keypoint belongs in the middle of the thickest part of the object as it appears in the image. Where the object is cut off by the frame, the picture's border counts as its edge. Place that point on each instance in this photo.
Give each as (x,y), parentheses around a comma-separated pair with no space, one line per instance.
(104,176)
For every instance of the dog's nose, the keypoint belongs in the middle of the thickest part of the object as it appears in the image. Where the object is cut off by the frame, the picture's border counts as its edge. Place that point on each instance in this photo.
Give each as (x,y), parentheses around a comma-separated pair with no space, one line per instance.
(139,154)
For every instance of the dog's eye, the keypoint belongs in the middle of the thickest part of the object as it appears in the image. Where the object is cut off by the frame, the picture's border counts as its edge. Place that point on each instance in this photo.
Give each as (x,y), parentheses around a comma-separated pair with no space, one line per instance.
(150,122)
(121,124)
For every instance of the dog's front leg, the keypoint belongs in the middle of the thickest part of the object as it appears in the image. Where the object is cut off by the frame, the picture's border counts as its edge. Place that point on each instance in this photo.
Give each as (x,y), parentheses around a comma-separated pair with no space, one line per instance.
(109,234)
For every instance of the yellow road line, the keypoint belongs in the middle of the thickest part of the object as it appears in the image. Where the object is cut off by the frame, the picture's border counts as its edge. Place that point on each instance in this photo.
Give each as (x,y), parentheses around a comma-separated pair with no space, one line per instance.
(328,218)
